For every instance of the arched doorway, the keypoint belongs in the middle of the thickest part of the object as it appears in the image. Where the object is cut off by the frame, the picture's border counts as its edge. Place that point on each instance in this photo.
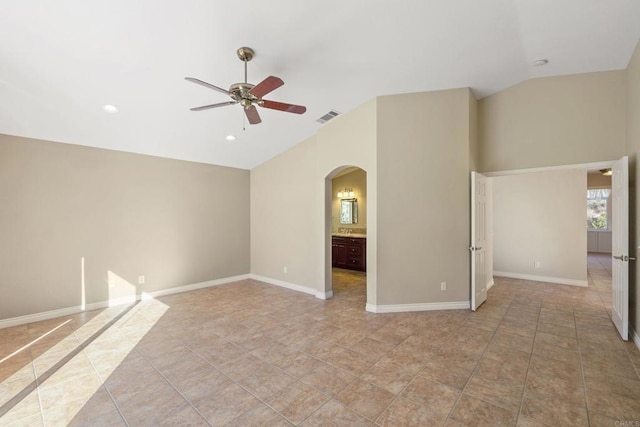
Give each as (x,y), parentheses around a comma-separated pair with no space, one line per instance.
(346,217)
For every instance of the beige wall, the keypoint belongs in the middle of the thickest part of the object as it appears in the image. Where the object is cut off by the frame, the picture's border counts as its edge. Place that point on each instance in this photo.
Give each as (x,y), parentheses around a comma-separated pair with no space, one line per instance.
(423,196)
(286,217)
(540,217)
(293,228)
(417,216)
(554,121)
(358,181)
(162,218)
(127,215)
(633,151)
(597,180)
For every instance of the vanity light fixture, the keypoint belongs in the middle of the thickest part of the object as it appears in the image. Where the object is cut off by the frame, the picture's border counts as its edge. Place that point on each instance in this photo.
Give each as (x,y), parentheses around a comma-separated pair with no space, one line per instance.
(346,192)
(606,172)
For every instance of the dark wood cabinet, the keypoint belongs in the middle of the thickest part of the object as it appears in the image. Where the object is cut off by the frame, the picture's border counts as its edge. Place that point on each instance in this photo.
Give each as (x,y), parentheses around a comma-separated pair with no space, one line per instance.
(339,252)
(349,252)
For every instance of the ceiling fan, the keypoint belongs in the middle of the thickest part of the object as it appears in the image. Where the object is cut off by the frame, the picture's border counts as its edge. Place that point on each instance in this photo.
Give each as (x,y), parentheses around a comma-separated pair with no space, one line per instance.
(249,95)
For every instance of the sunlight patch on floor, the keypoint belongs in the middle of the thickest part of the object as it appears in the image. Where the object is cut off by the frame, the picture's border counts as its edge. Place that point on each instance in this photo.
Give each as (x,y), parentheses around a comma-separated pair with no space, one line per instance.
(69,359)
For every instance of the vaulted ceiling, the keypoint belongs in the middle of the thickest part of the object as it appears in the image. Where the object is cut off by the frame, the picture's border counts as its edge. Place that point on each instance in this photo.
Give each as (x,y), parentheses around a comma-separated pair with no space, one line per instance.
(62,60)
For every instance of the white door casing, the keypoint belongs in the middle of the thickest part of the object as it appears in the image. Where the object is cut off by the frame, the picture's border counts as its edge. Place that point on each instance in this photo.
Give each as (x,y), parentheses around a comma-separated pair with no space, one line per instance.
(478,239)
(620,246)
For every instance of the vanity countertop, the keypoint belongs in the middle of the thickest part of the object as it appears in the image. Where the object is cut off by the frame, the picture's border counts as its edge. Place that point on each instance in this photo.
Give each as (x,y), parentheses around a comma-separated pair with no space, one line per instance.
(356,235)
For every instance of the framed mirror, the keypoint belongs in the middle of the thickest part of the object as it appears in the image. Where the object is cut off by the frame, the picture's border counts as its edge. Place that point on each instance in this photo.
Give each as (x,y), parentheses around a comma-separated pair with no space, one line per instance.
(349,211)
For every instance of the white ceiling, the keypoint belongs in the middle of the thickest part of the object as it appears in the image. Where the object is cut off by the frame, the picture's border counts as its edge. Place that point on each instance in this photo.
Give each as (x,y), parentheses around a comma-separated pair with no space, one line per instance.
(62,60)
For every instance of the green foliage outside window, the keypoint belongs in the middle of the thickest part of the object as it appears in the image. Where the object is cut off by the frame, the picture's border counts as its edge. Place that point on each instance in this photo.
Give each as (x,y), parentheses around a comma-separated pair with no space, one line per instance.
(599,222)
(597,209)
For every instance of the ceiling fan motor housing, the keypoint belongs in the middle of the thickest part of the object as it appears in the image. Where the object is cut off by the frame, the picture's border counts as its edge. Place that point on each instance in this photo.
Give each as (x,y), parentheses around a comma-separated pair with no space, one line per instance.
(240,93)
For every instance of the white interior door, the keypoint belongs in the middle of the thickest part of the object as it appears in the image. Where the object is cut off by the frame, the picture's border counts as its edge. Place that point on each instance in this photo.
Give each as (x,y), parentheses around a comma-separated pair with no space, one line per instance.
(478,239)
(620,246)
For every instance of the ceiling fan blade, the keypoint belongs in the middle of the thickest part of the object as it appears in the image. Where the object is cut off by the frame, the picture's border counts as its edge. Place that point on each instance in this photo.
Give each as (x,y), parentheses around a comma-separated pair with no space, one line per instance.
(205,84)
(206,107)
(289,108)
(269,84)
(252,115)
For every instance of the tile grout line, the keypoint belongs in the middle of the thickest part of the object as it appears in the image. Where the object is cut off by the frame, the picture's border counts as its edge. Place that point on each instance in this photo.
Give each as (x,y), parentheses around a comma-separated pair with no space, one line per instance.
(35,375)
(40,379)
(399,394)
(582,376)
(102,380)
(246,351)
(358,377)
(165,378)
(478,365)
(526,377)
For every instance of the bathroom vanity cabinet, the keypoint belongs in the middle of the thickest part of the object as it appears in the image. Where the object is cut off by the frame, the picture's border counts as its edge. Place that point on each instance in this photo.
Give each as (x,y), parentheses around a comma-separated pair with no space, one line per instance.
(349,252)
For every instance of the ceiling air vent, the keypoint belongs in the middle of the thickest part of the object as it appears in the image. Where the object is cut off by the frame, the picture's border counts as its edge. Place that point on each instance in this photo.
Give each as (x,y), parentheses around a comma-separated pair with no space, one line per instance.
(330,115)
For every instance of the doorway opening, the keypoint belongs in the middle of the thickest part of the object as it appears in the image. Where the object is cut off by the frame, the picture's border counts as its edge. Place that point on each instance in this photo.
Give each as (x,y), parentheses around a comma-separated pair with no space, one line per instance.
(347,234)
(599,233)
(619,290)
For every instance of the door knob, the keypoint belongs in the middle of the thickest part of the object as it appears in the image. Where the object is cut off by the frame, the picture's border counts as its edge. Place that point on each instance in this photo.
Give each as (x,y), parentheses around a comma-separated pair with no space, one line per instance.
(624,258)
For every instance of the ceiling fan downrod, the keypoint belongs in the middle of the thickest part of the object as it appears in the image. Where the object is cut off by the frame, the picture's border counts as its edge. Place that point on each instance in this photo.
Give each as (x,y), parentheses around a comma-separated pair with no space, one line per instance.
(245,54)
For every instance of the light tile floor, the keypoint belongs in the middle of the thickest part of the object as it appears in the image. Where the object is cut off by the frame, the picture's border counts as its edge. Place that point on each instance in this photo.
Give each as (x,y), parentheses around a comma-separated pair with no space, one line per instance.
(253,354)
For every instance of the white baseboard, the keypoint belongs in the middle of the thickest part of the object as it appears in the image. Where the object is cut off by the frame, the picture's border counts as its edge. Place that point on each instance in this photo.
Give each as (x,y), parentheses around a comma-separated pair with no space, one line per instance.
(428,306)
(490,284)
(324,295)
(45,315)
(283,284)
(201,285)
(547,279)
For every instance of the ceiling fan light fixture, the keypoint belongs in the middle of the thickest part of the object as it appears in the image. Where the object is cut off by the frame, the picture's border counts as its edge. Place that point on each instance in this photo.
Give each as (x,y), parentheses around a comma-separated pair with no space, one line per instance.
(606,172)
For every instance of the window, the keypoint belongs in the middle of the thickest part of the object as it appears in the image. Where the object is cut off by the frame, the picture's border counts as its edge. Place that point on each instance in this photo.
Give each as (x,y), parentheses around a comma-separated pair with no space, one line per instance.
(597,200)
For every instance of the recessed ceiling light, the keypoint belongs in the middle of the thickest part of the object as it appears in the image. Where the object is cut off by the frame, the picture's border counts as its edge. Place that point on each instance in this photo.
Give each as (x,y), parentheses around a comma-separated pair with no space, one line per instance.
(540,62)
(230,138)
(111,109)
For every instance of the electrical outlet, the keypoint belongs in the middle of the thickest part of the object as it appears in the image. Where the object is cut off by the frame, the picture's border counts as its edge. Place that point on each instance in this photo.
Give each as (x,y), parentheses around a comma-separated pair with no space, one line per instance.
(443,286)
(284,269)
(140,280)
(536,264)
